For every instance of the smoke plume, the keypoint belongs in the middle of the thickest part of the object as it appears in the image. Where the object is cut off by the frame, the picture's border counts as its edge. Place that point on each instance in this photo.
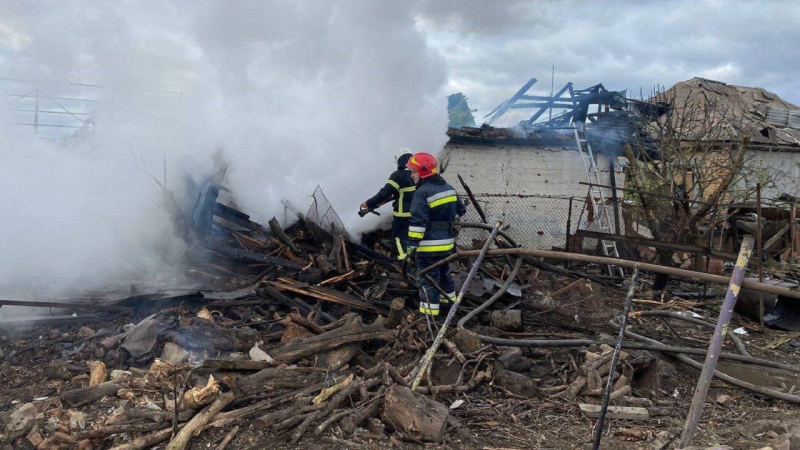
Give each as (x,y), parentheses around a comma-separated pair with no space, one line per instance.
(295,94)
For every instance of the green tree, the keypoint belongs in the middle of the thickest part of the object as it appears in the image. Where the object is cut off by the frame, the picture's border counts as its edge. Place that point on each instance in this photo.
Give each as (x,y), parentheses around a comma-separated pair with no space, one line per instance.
(459,112)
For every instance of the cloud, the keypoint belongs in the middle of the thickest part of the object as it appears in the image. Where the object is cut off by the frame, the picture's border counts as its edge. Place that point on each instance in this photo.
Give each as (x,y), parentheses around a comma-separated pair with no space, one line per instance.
(621,44)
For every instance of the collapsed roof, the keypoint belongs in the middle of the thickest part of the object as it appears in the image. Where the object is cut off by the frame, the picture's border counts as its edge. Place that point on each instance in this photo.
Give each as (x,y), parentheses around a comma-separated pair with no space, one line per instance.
(707,110)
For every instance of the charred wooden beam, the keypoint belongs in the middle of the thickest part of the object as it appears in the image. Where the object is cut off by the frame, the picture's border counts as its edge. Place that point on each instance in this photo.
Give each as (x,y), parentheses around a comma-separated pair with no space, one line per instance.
(236,253)
(65,305)
(354,331)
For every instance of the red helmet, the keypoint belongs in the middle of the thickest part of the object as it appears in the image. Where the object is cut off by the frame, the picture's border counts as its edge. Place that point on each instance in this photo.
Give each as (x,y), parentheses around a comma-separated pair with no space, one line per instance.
(424,164)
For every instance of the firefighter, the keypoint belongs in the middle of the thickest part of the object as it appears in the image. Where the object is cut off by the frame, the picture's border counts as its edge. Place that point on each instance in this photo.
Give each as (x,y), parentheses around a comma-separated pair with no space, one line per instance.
(431,235)
(399,189)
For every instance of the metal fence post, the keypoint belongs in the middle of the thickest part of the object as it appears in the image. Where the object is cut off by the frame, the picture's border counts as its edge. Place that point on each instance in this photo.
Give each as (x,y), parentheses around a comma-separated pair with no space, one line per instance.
(715,345)
(760,253)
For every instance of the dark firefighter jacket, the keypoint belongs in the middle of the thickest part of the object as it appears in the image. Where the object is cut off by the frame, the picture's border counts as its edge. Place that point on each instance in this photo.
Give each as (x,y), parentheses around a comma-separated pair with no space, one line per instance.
(399,188)
(433,210)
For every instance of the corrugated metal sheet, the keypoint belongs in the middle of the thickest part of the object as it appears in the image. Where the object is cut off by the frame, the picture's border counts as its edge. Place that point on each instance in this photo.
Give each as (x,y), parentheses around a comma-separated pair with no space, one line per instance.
(784,117)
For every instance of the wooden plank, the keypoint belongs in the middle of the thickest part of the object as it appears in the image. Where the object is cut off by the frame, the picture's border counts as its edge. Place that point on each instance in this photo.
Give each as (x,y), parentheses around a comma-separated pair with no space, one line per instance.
(654,243)
(325,294)
(616,412)
(227,364)
(774,239)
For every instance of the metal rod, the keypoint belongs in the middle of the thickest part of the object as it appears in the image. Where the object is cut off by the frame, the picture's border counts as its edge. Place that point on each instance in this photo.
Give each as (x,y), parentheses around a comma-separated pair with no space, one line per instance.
(793,230)
(715,345)
(650,194)
(602,260)
(614,196)
(472,199)
(569,226)
(760,253)
(426,360)
(614,359)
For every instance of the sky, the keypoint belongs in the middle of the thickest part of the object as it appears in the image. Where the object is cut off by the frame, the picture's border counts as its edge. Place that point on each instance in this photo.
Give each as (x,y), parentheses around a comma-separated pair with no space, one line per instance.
(493,48)
(299,94)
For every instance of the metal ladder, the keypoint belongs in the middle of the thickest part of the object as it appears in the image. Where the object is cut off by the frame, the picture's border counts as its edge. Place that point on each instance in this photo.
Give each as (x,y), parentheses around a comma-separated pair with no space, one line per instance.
(596,195)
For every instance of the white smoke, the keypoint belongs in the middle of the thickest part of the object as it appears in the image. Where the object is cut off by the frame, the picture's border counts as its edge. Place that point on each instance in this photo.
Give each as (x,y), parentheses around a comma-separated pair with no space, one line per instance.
(297,94)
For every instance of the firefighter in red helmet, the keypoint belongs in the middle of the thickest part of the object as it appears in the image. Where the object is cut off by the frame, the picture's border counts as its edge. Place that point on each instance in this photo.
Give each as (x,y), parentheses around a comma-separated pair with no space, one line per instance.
(434,209)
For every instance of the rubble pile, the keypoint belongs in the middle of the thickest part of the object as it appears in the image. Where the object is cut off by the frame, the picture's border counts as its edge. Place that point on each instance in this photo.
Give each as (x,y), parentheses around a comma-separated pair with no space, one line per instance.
(300,335)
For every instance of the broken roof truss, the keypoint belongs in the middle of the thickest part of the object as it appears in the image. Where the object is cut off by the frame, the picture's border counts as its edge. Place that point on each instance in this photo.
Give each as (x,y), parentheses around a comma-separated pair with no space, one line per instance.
(573,104)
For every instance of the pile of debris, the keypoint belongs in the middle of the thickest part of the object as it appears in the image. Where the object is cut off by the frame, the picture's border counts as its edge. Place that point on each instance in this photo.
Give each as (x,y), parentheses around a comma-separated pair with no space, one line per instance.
(299,335)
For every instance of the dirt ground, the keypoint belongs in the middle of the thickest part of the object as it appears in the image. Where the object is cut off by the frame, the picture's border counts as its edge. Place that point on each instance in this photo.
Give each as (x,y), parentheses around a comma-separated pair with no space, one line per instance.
(33,366)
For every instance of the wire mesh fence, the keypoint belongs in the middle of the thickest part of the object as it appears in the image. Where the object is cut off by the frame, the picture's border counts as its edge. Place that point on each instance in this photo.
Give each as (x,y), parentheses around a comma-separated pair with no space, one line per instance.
(533,221)
(546,222)
(322,213)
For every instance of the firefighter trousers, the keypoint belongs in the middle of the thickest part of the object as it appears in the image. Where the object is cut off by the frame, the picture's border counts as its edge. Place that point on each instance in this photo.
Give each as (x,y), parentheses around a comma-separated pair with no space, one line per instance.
(430,299)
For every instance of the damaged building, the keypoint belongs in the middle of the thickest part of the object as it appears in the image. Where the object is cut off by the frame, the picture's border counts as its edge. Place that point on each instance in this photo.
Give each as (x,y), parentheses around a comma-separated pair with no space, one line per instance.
(528,173)
(294,334)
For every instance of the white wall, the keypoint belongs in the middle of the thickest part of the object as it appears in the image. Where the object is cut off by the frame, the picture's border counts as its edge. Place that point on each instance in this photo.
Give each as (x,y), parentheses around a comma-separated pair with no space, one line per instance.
(783,169)
(497,175)
(521,169)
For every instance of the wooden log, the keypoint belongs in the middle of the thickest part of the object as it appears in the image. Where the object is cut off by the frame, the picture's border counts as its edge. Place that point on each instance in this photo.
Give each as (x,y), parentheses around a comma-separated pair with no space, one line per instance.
(272,379)
(84,396)
(575,284)
(616,412)
(622,381)
(330,421)
(146,441)
(415,416)
(293,331)
(507,320)
(227,364)
(296,302)
(278,232)
(321,261)
(573,389)
(224,418)
(118,429)
(513,382)
(271,419)
(347,389)
(352,332)
(328,392)
(467,341)
(337,279)
(302,321)
(396,313)
(621,392)
(515,361)
(228,438)
(337,358)
(349,423)
(636,401)
(200,396)
(454,351)
(97,372)
(345,256)
(199,422)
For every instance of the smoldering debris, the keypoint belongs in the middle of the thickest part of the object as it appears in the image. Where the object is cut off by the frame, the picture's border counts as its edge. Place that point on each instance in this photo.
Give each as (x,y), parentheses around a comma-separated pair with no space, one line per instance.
(303,335)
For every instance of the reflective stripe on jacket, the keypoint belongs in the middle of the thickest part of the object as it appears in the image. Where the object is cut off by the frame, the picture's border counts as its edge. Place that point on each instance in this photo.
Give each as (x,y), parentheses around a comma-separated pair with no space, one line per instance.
(400,188)
(433,210)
